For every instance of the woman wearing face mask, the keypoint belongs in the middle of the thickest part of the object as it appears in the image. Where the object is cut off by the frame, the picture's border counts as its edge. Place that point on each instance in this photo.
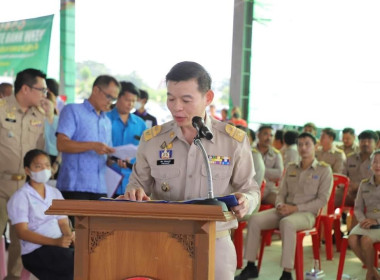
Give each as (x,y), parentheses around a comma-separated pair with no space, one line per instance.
(45,239)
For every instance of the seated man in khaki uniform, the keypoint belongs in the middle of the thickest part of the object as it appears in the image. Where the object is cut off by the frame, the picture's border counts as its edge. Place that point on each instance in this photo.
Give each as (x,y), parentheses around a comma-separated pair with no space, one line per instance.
(348,138)
(170,166)
(328,153)
(304,190)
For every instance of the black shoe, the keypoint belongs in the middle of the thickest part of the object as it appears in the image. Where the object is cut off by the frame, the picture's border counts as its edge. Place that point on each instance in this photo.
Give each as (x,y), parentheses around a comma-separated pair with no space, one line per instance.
(344,218)
(247,273)
(286,276)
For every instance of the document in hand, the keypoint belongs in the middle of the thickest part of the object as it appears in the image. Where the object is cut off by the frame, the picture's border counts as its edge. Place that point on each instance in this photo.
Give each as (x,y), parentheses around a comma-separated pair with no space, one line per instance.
(125,152)
(113,179)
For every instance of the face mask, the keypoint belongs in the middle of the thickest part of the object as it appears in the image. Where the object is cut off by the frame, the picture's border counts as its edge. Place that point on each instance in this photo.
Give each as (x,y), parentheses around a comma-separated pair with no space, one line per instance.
(41,176)
(137,105)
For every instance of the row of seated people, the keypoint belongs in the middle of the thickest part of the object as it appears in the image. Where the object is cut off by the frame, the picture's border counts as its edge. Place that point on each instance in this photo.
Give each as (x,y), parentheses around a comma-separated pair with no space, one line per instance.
(367,142)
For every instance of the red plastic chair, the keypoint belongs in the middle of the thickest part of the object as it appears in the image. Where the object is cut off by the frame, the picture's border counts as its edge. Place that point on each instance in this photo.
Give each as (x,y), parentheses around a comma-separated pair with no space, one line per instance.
(238,234)
(342,258)
(332,218)
(298,259)
(3,264)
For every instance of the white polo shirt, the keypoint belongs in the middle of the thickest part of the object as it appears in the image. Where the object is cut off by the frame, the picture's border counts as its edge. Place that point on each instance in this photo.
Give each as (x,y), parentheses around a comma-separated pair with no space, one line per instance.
(27,206)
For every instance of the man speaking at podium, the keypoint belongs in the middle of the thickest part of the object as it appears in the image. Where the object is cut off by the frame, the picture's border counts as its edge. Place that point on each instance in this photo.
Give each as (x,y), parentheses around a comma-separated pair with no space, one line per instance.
(170,166)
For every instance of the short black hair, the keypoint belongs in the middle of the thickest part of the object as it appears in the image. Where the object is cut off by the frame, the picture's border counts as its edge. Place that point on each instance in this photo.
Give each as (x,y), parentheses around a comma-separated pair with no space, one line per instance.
(128,87)
(53,86)
(144,94)
(349,130)
(265,126)
(330,132)
(368,134)
(307,134)
(30,156)
(105,80)
(290,137)
(279,135)
(187,70)
(27,77)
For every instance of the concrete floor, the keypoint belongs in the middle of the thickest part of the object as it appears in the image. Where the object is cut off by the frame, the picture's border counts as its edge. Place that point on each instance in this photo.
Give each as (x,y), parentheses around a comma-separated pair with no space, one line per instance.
(271,270)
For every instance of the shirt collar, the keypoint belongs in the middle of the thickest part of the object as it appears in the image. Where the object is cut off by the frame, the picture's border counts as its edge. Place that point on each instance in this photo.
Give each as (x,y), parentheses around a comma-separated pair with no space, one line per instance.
(91,108)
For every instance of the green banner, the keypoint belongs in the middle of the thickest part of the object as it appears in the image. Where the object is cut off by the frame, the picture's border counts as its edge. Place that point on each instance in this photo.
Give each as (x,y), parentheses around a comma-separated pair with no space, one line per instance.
(25,44)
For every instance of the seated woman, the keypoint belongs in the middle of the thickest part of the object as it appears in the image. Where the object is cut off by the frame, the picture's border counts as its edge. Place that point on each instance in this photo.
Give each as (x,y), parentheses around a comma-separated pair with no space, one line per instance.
(45,239)
(364,234)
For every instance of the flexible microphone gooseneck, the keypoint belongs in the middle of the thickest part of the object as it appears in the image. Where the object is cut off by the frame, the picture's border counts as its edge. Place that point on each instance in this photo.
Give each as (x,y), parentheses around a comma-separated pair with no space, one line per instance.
(201,128)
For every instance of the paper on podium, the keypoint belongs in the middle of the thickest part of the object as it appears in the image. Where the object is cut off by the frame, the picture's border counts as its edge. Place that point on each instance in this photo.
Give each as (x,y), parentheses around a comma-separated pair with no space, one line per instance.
(230,200)
(125,152)
(113,179)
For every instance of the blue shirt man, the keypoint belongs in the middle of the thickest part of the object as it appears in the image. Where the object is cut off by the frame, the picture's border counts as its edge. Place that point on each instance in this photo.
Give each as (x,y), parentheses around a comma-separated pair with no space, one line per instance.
(84,138)
(127,128)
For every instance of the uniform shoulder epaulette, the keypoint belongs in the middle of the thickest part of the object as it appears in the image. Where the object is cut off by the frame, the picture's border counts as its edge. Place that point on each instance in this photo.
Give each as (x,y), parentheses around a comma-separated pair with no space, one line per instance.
(255,150)
(351,154)
(322,163)
(41,110)
(235,132)
(2,102)
(339,150)
(151,132)
(292,163)
(365,180)
(275,150)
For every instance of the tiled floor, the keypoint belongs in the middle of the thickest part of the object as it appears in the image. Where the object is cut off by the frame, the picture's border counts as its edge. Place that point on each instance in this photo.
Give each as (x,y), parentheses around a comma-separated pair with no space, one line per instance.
(271,270)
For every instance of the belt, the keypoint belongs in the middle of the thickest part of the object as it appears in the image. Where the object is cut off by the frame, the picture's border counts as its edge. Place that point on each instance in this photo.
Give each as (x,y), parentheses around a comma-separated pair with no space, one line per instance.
(13,177)
(223,233)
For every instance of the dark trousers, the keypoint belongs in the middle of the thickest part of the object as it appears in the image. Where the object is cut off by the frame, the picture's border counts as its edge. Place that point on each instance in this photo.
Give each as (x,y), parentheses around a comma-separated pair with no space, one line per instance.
(81,196)
(50,262)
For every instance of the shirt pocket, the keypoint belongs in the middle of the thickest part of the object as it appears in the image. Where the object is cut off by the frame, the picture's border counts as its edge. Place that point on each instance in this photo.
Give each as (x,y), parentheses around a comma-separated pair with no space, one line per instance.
(167,182)
(221,175)
(311,185)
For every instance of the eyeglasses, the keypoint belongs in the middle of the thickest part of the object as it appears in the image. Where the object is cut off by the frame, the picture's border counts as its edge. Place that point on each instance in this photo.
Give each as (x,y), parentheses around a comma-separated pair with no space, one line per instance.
(108,96)
(43,90)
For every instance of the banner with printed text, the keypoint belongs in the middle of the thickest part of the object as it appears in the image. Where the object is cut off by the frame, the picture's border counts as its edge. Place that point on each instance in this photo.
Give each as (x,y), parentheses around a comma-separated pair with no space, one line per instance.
(25,44)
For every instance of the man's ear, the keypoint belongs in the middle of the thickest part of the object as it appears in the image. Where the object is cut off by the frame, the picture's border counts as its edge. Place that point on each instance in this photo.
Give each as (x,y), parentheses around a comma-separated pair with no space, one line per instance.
(209,97)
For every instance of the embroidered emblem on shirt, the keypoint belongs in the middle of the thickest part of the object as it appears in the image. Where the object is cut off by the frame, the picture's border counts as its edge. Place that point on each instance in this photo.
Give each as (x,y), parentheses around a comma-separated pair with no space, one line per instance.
(220,160)
(172,134)
(166,154)
(11,117)
(165,187)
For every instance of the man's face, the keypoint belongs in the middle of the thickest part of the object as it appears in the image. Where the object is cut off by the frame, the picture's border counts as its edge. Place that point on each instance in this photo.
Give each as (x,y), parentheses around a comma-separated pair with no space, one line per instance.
(126,103)
(34,94)
(265,137)
(306,147)
(348,139)
(105,96)
(8,91)
(367,146)
(185,101)
(326,140)
(375,165)
(309,129)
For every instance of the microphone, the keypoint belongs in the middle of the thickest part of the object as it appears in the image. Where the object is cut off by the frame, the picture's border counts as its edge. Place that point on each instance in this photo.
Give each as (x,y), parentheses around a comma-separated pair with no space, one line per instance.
(202,129)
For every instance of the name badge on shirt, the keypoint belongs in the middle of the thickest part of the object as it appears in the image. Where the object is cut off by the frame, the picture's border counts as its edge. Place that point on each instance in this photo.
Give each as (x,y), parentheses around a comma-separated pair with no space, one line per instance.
(165,161)
(11,117)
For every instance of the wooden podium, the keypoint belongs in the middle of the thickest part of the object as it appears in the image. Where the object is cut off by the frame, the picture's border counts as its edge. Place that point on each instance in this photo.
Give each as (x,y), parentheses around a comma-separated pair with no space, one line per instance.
(163,241)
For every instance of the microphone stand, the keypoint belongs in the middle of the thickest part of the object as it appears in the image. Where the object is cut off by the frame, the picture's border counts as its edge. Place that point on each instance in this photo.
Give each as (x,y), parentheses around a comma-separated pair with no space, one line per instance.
(210,200)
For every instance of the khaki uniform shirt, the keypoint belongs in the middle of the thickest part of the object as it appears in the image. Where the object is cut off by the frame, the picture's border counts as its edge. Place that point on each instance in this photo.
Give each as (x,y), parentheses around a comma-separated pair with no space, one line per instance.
(367,203)
(290,154)
(19,133)
(308,189)
(357,170)
(334,157)
(169,168)
(259,166)
(353,149)
(273,170)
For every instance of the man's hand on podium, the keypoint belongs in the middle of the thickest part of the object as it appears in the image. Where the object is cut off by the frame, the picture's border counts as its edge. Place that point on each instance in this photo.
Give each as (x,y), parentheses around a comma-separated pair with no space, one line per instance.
(243,205)
(134,194)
